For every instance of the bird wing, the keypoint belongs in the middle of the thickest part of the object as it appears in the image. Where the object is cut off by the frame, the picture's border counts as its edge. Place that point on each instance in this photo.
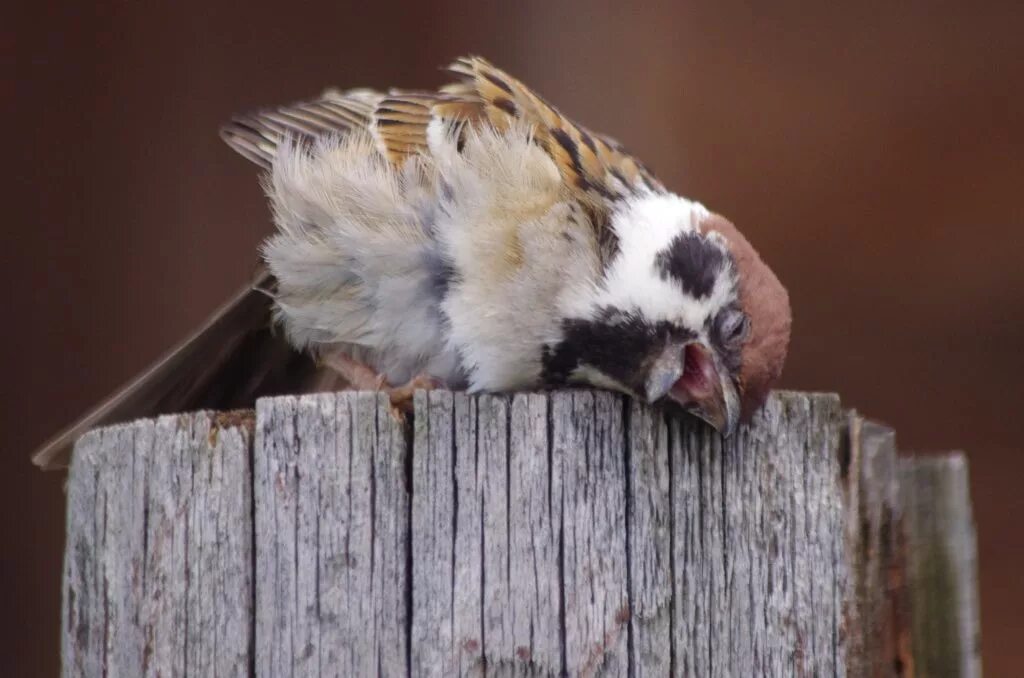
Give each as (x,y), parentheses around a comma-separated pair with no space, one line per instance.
(232,359)
(257,135)
(596,170)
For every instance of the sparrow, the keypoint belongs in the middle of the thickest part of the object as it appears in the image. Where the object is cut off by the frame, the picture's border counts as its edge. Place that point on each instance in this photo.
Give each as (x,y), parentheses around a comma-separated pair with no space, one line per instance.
(473,237)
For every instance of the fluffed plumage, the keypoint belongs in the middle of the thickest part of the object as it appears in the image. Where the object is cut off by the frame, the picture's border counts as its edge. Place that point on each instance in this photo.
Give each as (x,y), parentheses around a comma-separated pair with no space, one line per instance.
(478,236)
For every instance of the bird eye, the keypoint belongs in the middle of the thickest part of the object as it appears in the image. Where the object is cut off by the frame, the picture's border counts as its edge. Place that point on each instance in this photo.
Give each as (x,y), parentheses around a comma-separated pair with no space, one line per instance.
(733,327)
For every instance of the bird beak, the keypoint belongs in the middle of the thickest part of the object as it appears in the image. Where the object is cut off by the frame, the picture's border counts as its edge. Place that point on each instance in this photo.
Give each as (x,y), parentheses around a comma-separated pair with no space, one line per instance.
(692,376)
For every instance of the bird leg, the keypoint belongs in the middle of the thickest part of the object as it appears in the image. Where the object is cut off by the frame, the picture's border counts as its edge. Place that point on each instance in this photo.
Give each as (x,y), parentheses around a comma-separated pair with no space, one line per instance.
(359,376)
(364,378)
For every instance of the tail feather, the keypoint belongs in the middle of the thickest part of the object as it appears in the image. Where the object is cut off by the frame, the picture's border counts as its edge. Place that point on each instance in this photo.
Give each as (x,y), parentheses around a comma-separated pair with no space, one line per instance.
(234,358)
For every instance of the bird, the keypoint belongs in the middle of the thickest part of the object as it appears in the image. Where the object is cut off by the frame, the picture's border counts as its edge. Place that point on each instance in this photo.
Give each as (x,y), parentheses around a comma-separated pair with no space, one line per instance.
(472,237)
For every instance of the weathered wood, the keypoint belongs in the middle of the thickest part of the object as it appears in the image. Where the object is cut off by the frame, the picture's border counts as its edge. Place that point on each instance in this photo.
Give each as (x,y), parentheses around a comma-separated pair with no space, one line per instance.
(649,531)
(158,564)
(875,542)
(942,571)
(569,533)
(757,544)
(331,510)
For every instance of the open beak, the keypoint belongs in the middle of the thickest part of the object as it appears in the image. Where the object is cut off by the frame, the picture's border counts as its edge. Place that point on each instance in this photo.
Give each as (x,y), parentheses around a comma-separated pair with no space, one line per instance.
(692,376)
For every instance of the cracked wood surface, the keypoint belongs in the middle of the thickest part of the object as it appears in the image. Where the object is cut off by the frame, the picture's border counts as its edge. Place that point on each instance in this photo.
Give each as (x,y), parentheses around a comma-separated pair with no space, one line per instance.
(565,533)
(158,562)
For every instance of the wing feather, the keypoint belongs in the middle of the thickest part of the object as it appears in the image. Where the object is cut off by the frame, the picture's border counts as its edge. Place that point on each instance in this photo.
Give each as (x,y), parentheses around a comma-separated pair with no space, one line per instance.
(257,135)
(596,170)
(594,167)
(231,360)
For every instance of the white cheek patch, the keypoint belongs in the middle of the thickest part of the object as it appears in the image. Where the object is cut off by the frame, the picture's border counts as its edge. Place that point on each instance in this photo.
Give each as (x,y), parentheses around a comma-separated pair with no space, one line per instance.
(647,226)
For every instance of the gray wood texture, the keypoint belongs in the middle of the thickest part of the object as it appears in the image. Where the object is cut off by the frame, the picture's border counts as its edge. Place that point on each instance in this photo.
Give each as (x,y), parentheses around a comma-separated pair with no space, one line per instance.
(158,564)
(331,526)
(942,568)
(568,533)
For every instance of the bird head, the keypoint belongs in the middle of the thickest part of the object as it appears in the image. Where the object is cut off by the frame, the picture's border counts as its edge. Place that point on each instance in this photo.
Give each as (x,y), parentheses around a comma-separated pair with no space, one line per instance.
(685,311)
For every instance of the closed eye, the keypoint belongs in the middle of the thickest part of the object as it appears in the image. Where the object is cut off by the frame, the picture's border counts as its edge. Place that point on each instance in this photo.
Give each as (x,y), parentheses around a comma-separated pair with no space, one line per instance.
(733,327)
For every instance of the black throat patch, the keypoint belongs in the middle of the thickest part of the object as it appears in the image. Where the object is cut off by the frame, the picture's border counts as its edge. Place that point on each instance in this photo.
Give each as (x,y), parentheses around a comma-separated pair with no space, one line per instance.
(619,344)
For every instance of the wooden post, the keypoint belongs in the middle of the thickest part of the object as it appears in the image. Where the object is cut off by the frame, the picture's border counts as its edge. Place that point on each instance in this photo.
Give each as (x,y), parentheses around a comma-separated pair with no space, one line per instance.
(942,566)
(570,533)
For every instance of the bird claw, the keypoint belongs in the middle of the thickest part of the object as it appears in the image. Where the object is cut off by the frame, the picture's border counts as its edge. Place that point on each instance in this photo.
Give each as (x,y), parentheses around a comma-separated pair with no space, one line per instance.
(402,396)
(364,378)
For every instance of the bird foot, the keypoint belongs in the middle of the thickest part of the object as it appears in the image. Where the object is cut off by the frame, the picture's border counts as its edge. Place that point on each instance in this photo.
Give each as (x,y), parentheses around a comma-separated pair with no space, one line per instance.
(362,377)
(401,396)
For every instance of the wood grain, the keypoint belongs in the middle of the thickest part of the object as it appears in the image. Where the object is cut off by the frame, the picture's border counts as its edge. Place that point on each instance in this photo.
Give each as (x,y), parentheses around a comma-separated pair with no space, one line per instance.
(568,533)
(158,565)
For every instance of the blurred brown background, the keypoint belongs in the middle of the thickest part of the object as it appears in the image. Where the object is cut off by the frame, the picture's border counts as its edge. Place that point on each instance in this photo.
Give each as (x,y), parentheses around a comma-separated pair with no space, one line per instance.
(874,155)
